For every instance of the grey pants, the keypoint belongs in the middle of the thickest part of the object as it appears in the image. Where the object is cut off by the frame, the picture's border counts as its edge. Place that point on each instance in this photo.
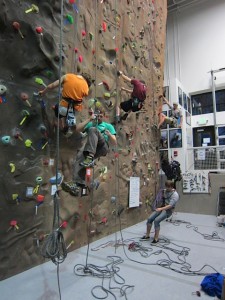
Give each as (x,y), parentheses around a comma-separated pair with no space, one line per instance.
(96,145)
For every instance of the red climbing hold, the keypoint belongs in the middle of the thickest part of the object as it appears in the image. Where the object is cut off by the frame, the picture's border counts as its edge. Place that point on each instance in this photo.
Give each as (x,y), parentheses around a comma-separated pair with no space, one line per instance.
(40,198)
(104,26)
(80,58)
(39,30)
(106,85)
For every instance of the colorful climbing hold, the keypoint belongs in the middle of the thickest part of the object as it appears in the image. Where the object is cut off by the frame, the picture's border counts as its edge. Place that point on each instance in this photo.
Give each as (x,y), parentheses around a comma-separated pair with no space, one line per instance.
(83,33)
(70,19)
(3,89)
(28,144)
(107,95)
(16,26)
(12,167)
(6,139)
(39,30)
(104,26)
(80,58)
(106,85)
(34,8)
(24,97)
(40,81)
(25,115)
(91,36)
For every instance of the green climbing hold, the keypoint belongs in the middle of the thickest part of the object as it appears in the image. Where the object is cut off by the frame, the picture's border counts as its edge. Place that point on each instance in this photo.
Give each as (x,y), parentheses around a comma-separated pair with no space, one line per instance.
(49,73)
(91,36)
(70,19)
(40,81)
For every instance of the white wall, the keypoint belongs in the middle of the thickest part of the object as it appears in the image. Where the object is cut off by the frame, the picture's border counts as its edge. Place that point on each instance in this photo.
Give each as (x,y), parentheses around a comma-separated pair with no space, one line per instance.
(196,45)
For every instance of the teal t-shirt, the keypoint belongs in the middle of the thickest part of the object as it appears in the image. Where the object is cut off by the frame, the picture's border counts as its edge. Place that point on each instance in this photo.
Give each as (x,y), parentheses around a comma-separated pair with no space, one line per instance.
(102,127)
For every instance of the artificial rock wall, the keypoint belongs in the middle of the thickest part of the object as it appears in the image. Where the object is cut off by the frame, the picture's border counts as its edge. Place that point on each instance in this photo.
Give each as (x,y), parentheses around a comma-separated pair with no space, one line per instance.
(99,37)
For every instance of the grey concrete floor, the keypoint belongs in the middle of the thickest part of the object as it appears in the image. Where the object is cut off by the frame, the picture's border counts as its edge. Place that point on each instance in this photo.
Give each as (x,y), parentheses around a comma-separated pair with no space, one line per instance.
(141,273)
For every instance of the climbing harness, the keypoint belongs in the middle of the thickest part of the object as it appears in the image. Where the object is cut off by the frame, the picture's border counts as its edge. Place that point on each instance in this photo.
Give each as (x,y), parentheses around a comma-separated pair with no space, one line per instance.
(70,113)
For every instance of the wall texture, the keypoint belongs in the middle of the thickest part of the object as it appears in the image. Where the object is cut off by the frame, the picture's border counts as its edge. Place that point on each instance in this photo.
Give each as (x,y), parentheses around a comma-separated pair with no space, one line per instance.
(99,37)
(194,45)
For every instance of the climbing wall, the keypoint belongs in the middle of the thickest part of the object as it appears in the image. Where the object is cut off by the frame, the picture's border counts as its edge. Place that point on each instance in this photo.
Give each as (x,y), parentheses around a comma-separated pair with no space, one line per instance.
(99,37)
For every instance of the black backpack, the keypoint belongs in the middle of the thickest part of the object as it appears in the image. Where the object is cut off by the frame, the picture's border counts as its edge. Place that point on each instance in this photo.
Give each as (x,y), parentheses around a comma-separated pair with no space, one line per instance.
(171,169)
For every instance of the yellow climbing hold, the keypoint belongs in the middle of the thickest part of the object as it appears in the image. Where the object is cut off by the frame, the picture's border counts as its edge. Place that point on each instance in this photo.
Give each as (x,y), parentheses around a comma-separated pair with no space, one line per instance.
(13,167)
(107,95)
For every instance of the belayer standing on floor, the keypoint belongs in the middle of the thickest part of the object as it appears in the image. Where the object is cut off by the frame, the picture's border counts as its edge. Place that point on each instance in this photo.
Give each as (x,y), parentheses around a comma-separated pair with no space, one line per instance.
(138,95)
(99,135)
(170,198)
(74,89)
(176,114)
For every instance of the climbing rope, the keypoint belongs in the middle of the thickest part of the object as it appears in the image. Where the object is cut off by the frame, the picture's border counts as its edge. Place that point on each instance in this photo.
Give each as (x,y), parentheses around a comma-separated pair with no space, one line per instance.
(93,173)
(54,247)
(117,185)
(74,56)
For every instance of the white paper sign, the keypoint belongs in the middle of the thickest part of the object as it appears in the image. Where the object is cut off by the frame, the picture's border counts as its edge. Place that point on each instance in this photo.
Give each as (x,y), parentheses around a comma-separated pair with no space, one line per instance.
(201,154)
(134,196)
(196,182)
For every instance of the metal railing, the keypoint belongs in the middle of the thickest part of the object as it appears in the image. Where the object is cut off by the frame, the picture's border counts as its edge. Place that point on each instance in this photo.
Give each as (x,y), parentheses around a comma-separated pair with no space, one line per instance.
(205,158)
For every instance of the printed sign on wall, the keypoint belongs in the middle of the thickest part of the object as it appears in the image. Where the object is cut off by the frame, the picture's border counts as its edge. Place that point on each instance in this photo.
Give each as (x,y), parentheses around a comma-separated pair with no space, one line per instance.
(195,182)
(134,197)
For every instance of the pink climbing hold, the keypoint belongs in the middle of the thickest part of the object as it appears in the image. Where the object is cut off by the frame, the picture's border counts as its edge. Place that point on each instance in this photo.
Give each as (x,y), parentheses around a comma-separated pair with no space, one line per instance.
(80,58)
(64,224)
(75,50)
(104,220)
(83,32)
(13,223)
(71,1)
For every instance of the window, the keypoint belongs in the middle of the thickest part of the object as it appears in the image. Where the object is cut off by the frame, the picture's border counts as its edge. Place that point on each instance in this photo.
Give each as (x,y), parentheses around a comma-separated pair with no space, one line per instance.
(221,135)
(204,136)
(202,104)
(189,104)
(185,101)
(220,100)
(180,96)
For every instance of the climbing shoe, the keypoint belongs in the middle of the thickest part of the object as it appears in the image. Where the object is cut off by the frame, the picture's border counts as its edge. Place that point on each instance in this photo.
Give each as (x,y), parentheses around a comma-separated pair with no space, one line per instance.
(145,238)
(71,187)
(154,242)
(88,162)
